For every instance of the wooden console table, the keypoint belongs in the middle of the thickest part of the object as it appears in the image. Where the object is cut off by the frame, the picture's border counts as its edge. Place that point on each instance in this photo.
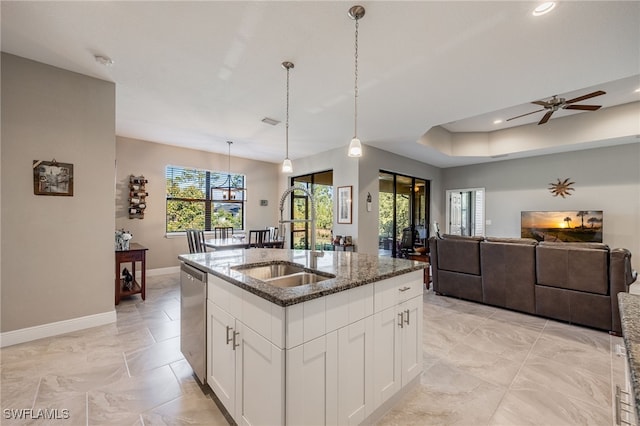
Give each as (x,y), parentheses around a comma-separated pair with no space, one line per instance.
(422,258)
(136,253)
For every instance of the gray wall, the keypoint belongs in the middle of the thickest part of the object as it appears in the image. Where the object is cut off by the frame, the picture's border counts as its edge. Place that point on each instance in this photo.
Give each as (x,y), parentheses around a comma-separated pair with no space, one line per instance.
(150,159)
(606,179)
(57,252)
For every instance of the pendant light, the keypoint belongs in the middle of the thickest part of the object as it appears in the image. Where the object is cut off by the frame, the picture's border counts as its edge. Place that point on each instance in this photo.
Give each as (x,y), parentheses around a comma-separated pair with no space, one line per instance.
(287,167)
(228,189)
(355,147)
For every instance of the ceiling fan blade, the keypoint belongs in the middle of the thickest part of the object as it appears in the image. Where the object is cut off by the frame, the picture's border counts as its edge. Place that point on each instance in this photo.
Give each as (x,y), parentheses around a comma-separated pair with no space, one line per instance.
(529,113)
(542,103)
(587,96)
(584,107)
(546,118)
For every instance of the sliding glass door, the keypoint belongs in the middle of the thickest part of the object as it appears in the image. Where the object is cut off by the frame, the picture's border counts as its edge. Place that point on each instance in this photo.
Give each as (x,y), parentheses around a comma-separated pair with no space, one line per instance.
(404,207)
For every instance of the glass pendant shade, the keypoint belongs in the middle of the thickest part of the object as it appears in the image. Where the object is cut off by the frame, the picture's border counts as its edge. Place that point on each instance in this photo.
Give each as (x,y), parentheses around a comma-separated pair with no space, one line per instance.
(355,148)
(287,167)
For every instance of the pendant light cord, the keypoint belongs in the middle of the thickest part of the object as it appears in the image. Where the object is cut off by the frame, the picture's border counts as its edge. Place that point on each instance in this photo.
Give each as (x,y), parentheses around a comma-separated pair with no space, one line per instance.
(355,99)
(287,124)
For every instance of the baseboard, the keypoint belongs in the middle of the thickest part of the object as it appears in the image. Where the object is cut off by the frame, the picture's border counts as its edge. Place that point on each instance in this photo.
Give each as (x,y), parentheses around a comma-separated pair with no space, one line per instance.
(28,334)
(163,271)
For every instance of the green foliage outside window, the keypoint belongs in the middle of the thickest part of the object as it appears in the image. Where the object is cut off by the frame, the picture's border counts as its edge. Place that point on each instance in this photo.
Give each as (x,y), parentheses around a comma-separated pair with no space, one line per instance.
(189,202)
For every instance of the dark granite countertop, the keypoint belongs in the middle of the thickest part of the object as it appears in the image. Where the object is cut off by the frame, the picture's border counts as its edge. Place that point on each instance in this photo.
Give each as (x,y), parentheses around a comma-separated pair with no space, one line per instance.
(630,316)
(351,270)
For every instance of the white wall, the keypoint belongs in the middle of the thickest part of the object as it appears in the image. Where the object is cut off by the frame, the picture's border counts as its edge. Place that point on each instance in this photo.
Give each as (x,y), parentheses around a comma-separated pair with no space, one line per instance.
(57,252)
(150,159)
(606,179)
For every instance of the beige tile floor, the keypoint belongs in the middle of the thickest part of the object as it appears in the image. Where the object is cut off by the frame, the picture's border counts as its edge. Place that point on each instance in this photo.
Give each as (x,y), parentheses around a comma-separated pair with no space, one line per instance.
(483,366)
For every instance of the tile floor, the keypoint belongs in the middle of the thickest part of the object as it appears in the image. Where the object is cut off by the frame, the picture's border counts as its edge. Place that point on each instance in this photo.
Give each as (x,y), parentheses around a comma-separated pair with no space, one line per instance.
(483,366)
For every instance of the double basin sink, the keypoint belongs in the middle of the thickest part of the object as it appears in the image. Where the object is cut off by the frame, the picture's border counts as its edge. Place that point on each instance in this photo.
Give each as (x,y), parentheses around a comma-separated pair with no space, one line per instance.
(283,274)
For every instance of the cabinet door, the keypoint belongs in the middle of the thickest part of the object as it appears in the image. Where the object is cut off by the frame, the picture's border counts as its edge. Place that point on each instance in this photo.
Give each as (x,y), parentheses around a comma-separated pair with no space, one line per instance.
(386,355)
(411,347)
(259,378)
(355,372)
(221,359)
(312,382)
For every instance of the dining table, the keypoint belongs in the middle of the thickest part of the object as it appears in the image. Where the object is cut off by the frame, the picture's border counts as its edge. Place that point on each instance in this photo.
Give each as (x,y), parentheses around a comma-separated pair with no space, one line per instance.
(240,243)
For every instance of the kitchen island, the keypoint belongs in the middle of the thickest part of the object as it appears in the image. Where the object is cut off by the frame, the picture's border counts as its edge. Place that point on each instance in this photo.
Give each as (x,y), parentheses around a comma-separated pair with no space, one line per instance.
(339,350)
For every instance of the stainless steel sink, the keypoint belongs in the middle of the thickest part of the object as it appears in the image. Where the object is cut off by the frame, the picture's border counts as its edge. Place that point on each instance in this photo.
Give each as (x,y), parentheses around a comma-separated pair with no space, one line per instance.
(267,272)
(300,278)
(283,274)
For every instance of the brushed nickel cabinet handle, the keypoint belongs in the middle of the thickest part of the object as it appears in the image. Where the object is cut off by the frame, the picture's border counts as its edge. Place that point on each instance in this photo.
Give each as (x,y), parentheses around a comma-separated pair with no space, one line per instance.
(407,320)
(400,319)
(228,338)
(235,345)
(405,288)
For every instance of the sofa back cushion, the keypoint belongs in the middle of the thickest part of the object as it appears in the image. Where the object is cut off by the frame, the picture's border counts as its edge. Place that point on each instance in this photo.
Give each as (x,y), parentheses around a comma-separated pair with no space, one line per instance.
(459,254)
(567,266)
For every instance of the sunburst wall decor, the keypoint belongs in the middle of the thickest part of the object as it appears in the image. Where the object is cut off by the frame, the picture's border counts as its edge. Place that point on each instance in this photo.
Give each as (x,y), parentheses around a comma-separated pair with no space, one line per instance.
(561,188)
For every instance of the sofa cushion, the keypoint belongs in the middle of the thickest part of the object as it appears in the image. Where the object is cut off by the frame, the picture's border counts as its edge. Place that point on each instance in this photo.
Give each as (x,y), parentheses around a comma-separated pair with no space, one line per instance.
(508,275)
(459,255)
(565,266)
(593,246)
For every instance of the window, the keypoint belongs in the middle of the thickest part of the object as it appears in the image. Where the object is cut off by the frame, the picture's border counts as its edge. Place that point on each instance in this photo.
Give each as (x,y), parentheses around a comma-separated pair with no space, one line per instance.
(203,199)
(321,186)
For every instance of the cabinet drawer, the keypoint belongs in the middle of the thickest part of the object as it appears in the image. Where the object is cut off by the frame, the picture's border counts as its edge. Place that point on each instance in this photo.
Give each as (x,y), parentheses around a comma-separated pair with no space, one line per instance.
(129,256)
(393,291)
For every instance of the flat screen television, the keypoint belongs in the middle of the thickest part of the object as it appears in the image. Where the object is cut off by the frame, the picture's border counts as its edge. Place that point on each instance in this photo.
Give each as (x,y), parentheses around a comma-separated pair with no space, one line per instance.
(577,226)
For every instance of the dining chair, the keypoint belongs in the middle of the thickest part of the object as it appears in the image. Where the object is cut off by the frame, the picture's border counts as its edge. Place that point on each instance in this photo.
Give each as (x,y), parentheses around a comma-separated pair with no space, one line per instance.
(195,239)
(257,237)
(273,233)
(223,232)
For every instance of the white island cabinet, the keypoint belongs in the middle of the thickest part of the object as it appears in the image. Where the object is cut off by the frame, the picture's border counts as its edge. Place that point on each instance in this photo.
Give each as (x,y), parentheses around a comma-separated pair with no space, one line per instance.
(331,360)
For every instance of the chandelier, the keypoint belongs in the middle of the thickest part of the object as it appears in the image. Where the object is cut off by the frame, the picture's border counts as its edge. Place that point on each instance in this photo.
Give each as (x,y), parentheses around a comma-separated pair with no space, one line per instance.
(229,188)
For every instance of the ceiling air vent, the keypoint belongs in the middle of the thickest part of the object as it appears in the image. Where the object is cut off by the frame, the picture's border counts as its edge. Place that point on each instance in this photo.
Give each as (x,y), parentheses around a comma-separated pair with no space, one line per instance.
(271,121)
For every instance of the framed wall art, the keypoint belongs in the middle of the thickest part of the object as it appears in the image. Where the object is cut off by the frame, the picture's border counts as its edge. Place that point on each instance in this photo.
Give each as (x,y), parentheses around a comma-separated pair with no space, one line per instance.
(52,178)
(344,204)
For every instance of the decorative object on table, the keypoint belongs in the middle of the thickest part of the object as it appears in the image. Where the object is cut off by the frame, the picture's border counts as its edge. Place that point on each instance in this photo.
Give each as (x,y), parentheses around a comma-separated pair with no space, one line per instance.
(52,178)
(344,204)
(336,239)
(122,239)
(561,188)
(583,226)
(137,196)
(127,280)
(348,240)
(355,147)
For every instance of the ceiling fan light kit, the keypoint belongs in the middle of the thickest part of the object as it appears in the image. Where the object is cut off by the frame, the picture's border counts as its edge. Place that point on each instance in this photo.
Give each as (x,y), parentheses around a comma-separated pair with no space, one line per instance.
(556,103)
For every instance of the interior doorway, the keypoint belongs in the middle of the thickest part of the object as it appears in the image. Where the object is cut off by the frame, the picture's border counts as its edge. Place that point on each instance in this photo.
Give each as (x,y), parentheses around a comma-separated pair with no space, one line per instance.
(465,211)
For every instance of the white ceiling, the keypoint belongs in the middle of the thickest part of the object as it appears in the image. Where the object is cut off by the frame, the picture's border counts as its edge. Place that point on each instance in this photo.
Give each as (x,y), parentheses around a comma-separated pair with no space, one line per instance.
(197,74)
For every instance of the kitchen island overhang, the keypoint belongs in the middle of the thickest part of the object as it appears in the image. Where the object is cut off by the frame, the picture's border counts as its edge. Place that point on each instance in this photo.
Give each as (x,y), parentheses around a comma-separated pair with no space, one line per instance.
(350,270)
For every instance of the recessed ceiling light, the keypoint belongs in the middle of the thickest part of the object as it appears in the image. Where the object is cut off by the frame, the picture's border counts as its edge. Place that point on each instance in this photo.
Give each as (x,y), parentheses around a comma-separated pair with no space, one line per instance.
(637,90)
(497,121)
(543,8)
(103,60)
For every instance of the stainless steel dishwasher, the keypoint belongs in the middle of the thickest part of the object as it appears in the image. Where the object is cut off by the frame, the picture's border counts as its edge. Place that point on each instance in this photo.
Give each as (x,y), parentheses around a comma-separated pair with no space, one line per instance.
(193,310)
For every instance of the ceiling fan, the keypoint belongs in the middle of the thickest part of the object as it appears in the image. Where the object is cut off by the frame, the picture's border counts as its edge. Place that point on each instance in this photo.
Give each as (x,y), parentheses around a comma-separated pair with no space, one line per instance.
(556,103)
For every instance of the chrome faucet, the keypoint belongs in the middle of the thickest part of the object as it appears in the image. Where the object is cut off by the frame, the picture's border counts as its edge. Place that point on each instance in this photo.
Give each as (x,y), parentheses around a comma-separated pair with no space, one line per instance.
(314,252)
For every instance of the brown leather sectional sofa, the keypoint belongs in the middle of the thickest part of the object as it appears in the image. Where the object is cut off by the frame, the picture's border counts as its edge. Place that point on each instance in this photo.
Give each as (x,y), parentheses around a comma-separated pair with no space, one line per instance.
(573,282)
